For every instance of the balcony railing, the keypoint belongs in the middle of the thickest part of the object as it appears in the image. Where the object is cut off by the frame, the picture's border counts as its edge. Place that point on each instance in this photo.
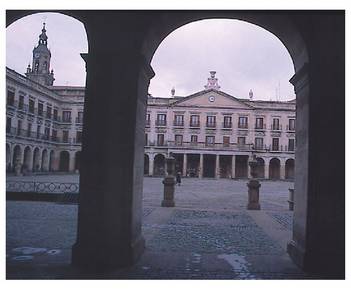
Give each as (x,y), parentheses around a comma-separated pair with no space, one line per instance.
(260,126)
(227,124)
(66,120)
(178,123)
(195,124)
(243,125)
(147,122)
(79,120)
(290,128)
(276,127)
(211,124)
(160,122)
(204,145)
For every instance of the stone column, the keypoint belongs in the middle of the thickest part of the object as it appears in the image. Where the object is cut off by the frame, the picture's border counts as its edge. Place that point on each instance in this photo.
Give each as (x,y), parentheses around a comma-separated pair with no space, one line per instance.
(217,170)
(233,166)
(169,183)
(185,160)
(111,177)
(266,170)
(151,165)
(282,170)
(201,166)
(248,170)
(72,160)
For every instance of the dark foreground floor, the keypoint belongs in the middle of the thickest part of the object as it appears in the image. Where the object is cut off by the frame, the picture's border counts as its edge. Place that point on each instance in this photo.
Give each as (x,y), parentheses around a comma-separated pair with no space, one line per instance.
(180,244)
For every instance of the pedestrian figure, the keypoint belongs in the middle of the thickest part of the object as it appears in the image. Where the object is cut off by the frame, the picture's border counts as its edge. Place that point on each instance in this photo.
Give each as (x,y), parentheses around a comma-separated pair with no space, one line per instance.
(178,178)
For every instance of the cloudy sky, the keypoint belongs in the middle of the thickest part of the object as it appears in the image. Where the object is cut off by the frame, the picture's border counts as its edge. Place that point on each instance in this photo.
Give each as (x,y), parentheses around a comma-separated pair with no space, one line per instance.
(245,56)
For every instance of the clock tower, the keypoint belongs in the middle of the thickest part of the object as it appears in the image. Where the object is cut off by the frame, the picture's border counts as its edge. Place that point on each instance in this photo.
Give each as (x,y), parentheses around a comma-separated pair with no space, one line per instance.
(40,71)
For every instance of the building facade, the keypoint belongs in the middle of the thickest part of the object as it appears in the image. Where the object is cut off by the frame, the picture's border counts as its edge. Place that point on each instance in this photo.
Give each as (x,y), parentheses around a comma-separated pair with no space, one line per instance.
(210,133)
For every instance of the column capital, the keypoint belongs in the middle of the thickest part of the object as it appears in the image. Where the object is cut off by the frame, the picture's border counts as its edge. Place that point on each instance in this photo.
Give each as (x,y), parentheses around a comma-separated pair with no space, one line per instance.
(301,77)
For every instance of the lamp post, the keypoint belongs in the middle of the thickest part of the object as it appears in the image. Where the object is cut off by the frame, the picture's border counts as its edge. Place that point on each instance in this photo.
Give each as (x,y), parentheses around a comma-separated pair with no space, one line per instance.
(253,184)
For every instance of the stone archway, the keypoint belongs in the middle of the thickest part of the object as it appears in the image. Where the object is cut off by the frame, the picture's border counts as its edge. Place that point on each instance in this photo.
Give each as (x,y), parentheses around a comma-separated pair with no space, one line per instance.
(260,168)
(27,159)
(64,161)
(36,160)
(290,169)
(159,165)
(146,165)
(44,160)
(142,33)
(77,161)
(8,158)
(274,169)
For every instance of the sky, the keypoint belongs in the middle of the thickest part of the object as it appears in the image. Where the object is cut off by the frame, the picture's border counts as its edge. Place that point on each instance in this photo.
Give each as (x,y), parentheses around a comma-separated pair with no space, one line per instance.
(245,56)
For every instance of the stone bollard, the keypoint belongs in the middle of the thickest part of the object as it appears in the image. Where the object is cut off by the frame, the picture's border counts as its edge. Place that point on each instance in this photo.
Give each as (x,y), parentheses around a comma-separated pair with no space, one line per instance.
(169,182)
(291,198)
(254,186)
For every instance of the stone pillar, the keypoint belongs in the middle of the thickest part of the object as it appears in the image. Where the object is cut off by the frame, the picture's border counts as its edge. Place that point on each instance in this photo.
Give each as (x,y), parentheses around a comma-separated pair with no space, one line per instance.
(72,160)
(169,182)
(201,166)
(56,161)
(266,170)
(233,166)
(282,170)
(151,165)
(111,176)
(185,160)
(253,186)
(217,170)
(248,170)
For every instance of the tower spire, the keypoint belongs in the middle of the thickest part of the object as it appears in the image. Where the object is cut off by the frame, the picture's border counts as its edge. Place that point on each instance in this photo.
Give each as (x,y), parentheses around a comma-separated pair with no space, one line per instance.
(43,38)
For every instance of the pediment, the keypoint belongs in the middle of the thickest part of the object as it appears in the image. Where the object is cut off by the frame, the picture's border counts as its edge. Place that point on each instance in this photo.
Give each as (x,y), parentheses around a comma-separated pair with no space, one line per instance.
(212,98)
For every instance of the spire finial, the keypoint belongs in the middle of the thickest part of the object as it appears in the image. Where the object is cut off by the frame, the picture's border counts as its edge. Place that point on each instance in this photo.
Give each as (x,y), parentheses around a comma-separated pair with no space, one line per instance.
(212,82)
(173,91)
(250,94)
(43,39)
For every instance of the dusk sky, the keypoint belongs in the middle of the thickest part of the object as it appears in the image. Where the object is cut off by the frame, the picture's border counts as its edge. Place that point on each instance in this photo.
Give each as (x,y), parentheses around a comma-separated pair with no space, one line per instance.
(244,55)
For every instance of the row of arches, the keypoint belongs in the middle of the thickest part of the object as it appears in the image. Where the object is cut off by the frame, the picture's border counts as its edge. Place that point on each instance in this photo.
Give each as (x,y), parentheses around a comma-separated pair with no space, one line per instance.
(273,169)
(28,159)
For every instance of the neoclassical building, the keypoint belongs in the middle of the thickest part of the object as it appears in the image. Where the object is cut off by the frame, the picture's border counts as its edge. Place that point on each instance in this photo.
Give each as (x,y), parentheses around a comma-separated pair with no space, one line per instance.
(210,133)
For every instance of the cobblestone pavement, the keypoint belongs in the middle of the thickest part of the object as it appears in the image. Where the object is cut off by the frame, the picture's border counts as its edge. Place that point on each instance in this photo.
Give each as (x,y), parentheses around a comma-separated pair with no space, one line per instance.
(208,235)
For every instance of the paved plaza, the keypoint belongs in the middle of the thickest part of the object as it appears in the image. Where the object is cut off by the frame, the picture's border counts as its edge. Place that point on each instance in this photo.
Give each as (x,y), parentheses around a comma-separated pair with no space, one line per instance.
(208,235)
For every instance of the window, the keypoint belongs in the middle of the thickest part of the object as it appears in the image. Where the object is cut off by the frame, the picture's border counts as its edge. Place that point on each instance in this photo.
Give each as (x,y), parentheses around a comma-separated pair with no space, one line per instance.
(47,133)
(10,98)
(241,140)
(194,120)
(64,135)
(19,127)
(55,114)
(275,144)
(210,140)
(48,111)
(291,145)
(259,143)
(38,131)
(178,120)
(31,106)
(242,123)
(291,124)
(146,139)
(21,102)
(66,116)
(211,121)
(148,119)
(160,139)
(40,109)
(8,124)
(161,119)
(29,129)
(193,139)
(227,122)
(78,137)
(80,117)
(226,141)
(259,123)
(275,125)
(178,139)
(54,135)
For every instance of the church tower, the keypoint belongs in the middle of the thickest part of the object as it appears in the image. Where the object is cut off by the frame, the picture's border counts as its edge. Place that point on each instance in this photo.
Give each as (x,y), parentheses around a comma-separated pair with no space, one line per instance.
(40,71)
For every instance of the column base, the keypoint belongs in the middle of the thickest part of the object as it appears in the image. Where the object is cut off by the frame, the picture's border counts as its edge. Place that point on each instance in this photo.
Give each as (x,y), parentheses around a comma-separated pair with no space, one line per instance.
(99,256)
(168,203)
(253,206)
(325,265)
